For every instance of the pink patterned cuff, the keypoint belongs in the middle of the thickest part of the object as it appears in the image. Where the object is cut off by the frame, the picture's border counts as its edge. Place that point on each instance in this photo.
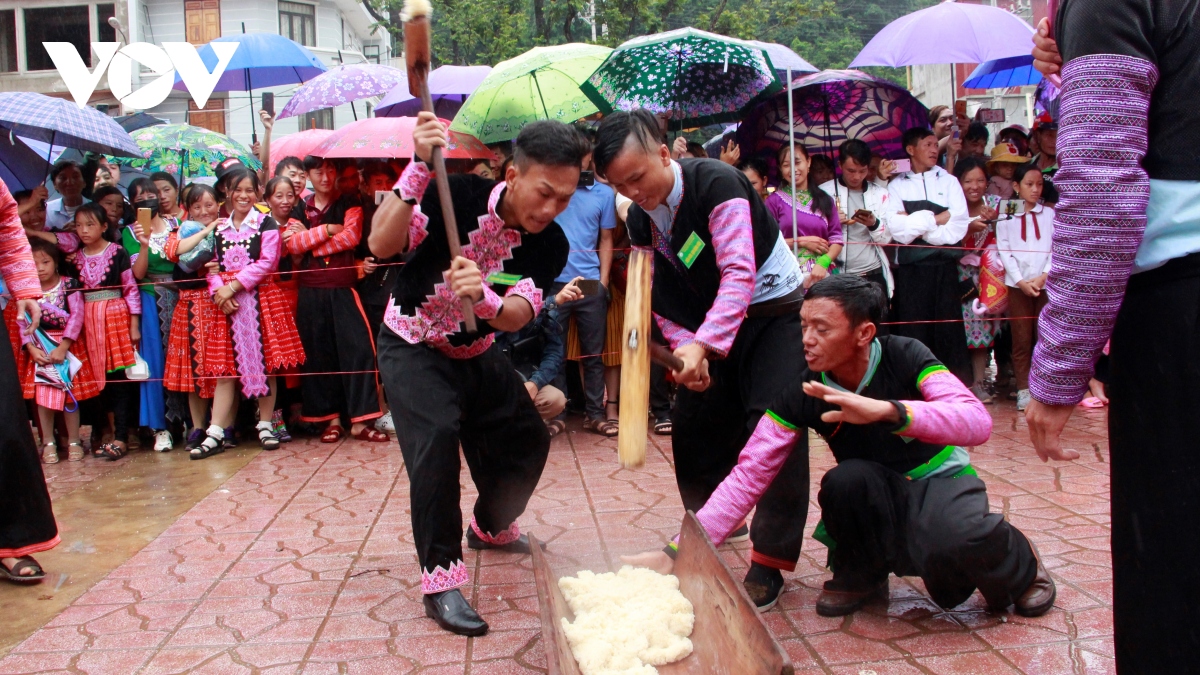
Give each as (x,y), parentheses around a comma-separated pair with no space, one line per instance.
(418,228)
(440,579)
(413,181)
(526,289)
(507,536)
(488,307)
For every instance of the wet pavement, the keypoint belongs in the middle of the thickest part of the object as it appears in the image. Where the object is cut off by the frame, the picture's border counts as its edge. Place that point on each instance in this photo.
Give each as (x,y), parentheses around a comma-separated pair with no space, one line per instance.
(301,561)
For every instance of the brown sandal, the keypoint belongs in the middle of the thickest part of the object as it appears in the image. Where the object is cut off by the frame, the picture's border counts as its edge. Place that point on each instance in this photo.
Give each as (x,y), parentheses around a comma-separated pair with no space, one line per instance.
(112,451)
(606,428)
(555,427)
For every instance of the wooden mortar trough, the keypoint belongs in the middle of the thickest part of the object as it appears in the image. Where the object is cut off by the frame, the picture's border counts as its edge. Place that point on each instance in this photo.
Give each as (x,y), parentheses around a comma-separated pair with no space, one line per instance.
(729,636)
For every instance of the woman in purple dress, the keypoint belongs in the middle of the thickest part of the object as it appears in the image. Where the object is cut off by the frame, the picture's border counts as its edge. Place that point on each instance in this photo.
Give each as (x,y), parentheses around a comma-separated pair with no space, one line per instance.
(807,217)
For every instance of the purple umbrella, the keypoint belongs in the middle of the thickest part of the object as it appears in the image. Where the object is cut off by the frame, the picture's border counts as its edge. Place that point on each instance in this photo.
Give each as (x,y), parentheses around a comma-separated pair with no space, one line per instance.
(344,84)
(949,32)
(62,123)
(830,107)
(448,85)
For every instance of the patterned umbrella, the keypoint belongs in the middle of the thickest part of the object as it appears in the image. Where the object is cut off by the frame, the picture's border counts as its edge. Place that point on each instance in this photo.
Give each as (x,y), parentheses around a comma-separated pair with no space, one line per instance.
(830,107)
(543,83)
(297,145)
(691,77)
(341,85)
(61,123)
(391,137)
(185,151)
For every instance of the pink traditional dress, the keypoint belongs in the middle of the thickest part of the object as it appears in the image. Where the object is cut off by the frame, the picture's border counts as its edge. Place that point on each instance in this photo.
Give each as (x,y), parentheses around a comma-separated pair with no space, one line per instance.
(62,318)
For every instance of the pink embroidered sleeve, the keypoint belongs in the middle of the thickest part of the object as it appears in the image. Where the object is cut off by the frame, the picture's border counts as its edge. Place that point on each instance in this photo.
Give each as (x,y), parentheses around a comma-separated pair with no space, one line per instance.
(133,297)
(74,325)
(733,244)
(268,261)
(757,465)
(413,181)
(346,239)
(67,241)
(418,228)
(525,288)
(489,305)
(16,259)
(676,335)
(949,415)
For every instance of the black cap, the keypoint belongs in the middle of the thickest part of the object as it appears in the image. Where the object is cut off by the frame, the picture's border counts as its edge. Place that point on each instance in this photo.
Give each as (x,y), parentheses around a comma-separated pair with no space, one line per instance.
(227,166)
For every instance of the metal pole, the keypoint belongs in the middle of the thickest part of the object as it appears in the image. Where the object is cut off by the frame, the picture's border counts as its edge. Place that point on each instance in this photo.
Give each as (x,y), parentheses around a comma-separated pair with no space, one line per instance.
(792,159)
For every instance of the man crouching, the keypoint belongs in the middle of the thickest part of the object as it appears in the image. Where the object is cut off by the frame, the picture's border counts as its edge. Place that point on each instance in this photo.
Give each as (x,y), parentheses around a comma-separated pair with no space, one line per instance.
(903,497)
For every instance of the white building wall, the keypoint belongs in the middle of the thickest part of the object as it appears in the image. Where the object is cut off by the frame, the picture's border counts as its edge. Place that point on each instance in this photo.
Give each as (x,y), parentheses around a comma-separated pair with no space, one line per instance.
(162,21)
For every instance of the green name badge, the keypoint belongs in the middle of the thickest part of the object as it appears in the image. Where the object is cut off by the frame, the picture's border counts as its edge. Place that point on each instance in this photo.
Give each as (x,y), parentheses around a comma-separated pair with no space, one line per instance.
(503,278)
(691,250)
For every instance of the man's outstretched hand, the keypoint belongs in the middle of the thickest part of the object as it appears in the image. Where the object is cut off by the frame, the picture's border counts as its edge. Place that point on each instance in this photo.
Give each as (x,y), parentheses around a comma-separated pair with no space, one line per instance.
(655,560)
(855,409)
(1046,423)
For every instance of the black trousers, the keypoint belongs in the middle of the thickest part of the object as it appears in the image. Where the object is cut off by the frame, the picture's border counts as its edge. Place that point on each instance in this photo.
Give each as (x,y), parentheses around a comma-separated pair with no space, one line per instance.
(591,316)
(712,427)
(930,296)
(121,397)
(26,517)
(438,402)
(1155,466)
(939,529)
(336,339)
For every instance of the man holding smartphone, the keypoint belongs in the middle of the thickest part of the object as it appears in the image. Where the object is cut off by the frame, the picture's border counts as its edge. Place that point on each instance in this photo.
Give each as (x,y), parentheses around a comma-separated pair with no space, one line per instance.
(588,223)
(863,207)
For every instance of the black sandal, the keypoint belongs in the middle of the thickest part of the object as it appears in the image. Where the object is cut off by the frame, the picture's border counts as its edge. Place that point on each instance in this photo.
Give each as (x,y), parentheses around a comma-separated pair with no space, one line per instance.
(663,427)
(23,563)
(266,436)
(213,444)
(111,451)
(555,427)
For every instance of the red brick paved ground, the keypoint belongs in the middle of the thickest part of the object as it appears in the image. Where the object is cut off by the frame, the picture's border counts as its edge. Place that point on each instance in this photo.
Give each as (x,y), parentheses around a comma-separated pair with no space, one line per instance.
(302,562)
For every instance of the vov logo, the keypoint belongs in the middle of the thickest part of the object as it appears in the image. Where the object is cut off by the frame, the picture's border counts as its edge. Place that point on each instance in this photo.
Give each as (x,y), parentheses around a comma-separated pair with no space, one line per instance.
(165,61)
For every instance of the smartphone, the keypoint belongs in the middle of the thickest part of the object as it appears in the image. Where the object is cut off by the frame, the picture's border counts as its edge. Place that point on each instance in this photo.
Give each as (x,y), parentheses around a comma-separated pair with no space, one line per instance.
(861,213)
(587,178)
(589,286)
(379,196)
(954,131)
(905,165)
(268,103)
(144,218)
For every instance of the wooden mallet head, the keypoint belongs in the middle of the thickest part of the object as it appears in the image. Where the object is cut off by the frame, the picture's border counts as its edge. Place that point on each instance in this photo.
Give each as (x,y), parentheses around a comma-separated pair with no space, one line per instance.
(417,52)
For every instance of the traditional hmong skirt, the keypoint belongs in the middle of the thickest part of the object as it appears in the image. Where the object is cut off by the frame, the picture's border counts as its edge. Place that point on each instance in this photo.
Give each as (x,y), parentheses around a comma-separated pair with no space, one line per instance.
(291,296)
(14,331)
(257,340)
(84,385)
(106,324)
(981,331)
(185,345)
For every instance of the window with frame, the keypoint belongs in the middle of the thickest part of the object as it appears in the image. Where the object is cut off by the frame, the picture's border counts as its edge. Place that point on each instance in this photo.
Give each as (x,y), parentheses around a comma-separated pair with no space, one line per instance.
(317,119)
(8,41)
(298,22)
(56,24)
(104,30)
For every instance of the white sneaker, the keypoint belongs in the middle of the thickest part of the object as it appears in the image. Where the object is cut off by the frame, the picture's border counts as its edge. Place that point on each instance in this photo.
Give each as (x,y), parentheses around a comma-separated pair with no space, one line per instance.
(1022,399)
(385,424)
(163,441)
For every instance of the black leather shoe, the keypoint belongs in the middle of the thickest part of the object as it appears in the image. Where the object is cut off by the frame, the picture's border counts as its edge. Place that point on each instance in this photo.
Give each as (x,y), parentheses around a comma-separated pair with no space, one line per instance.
(841,603)
(764,585)
(451,611)
(1039,597)
(521,545)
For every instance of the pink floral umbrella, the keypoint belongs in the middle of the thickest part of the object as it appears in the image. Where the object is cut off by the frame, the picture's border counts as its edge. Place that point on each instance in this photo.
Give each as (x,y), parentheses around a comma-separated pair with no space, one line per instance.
(391,137)
(297,145)
(341,85)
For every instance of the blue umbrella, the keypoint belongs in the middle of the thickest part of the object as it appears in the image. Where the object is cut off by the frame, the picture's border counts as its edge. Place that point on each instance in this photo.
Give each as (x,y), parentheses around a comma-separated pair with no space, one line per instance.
(261,60)
(21,168)
(1015,71)
(62,123)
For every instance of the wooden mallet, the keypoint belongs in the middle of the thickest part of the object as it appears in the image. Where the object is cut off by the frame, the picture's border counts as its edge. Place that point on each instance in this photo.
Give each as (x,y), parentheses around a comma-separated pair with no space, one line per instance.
(418,54)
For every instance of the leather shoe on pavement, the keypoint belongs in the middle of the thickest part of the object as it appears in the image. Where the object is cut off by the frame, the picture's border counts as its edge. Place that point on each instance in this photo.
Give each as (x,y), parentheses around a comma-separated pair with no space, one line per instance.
(841,603)
(1039,597)
(521,545)
(451,611)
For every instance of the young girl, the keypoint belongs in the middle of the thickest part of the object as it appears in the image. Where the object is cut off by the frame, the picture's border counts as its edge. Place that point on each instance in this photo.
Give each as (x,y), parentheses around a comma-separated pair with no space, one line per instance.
(981,331)
(112,313)
(1003,165)
(817,233)
(185,343)
(62,320)
(1024,244)
(153,270)
(249,334)
(112,200)
(281,197)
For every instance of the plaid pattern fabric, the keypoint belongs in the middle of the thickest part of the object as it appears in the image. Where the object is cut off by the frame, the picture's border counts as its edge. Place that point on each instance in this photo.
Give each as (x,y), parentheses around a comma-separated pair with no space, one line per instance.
(61,122)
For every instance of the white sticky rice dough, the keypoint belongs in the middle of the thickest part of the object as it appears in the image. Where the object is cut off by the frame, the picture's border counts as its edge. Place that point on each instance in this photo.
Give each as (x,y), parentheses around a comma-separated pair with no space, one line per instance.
(627,623)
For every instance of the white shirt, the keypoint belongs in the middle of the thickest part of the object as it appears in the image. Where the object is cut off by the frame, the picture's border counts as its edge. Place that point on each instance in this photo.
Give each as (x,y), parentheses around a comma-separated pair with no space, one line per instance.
(59,215)
(939,187)
(1026,258)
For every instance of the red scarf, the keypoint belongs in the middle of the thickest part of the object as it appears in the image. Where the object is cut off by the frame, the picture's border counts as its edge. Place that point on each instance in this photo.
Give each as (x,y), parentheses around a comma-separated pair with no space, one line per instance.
(1037,233)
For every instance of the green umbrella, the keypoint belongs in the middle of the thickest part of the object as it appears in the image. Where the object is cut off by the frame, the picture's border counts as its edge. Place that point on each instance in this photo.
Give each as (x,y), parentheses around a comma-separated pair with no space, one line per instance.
(542,83)
(690,77)
(184,150)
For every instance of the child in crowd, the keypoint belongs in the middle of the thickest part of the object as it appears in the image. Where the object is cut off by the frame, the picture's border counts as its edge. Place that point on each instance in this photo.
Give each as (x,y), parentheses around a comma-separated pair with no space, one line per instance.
(816,233)
(282,197)
(756,172)
(153,271)
(112,314)
(31,207)
(112,201)
(185,344)
(62,308)
(1003,164)
(1024,245)
(249,335)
